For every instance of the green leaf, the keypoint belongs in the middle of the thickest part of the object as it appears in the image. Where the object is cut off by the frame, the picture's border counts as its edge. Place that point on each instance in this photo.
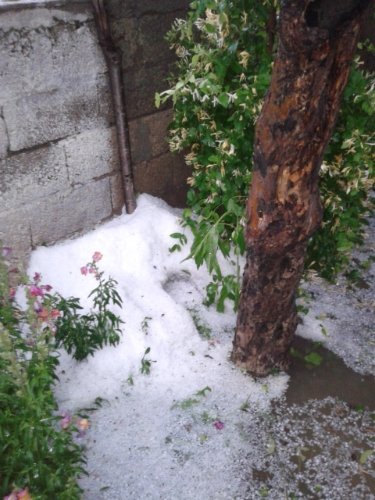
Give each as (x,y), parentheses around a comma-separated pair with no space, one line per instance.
(271,446)
(223,100)
(203,391)
(365,455)
(313,358)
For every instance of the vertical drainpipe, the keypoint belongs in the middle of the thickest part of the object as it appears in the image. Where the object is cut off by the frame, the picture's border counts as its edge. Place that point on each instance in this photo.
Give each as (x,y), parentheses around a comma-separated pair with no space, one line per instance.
(113,59)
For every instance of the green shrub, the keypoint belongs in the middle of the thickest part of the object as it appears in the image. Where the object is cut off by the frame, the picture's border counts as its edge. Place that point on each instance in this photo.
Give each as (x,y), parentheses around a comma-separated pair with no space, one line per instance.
(223,71)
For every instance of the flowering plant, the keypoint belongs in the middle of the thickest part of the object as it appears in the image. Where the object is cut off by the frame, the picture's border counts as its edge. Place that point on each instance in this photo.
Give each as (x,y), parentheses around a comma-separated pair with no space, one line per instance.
(83,334)
(40,457)
(37,460)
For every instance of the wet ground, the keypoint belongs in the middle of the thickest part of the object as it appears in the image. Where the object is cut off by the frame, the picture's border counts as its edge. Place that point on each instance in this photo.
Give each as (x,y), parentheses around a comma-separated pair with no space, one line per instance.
(320,436)
(332,377)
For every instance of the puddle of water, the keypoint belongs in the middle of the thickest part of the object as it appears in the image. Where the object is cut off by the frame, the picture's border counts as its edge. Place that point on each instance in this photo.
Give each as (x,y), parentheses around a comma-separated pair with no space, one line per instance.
(331,378)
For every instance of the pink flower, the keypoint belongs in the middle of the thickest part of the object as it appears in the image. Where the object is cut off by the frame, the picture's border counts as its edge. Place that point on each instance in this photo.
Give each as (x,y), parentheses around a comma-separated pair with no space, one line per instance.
(36,291)
(24,495)
(37,277)
(97,256)
(12,496)
(43,314)
(84,270)
(55,313)
(83,424)
(19,495)
(47,288)
(218,425)
(66,420)
(92,270)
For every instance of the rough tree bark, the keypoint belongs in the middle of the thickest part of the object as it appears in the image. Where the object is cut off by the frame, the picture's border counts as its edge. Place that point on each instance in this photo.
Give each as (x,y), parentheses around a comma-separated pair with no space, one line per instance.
(317,41)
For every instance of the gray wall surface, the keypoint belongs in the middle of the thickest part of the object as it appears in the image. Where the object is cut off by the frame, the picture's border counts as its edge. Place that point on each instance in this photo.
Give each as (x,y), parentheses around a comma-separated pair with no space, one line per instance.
(59,169)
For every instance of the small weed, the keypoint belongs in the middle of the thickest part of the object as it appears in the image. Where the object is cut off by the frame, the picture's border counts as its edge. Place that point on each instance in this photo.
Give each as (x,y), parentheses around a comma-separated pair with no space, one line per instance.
(303,300)
(359,408)
(203,438)
(202,392)
(146,363)
(207,418)
(185,404)
(97,403)
(263,492)
(188,403)
(203,329)
(245,406)
(130,380)
(182,240)
(323,330)
(145,324)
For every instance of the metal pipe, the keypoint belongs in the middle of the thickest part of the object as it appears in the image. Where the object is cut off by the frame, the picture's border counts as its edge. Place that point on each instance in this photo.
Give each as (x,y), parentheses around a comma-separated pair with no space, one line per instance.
(113,59)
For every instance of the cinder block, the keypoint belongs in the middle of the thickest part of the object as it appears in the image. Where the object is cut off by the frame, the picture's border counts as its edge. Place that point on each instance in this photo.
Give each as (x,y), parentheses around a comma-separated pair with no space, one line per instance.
(76,54)
(157,177)
(25,63)
(125,36)
(162,7)
(48,116)
(148,136)
(91,154)
(152,29)
(15,231)
(3,139)
(41,17)
(34,174)
(42,51)
(71,212)
(141,83)
(118,9)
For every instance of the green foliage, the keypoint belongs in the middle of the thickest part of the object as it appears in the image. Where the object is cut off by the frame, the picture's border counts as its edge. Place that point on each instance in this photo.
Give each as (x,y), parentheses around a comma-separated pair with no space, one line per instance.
(313,358)
(83,334)
(145,324)
(204,330)
(188,403)
(38,453)
(222,74)
(146,363)
(347,178)
(35,455)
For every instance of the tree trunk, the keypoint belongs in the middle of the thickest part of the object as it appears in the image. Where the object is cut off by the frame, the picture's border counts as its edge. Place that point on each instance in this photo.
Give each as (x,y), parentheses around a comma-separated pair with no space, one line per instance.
(317,41)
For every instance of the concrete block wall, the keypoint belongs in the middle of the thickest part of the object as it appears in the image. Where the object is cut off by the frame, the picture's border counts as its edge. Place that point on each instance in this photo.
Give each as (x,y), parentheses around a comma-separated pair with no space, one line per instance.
(139,28)
(59,169)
